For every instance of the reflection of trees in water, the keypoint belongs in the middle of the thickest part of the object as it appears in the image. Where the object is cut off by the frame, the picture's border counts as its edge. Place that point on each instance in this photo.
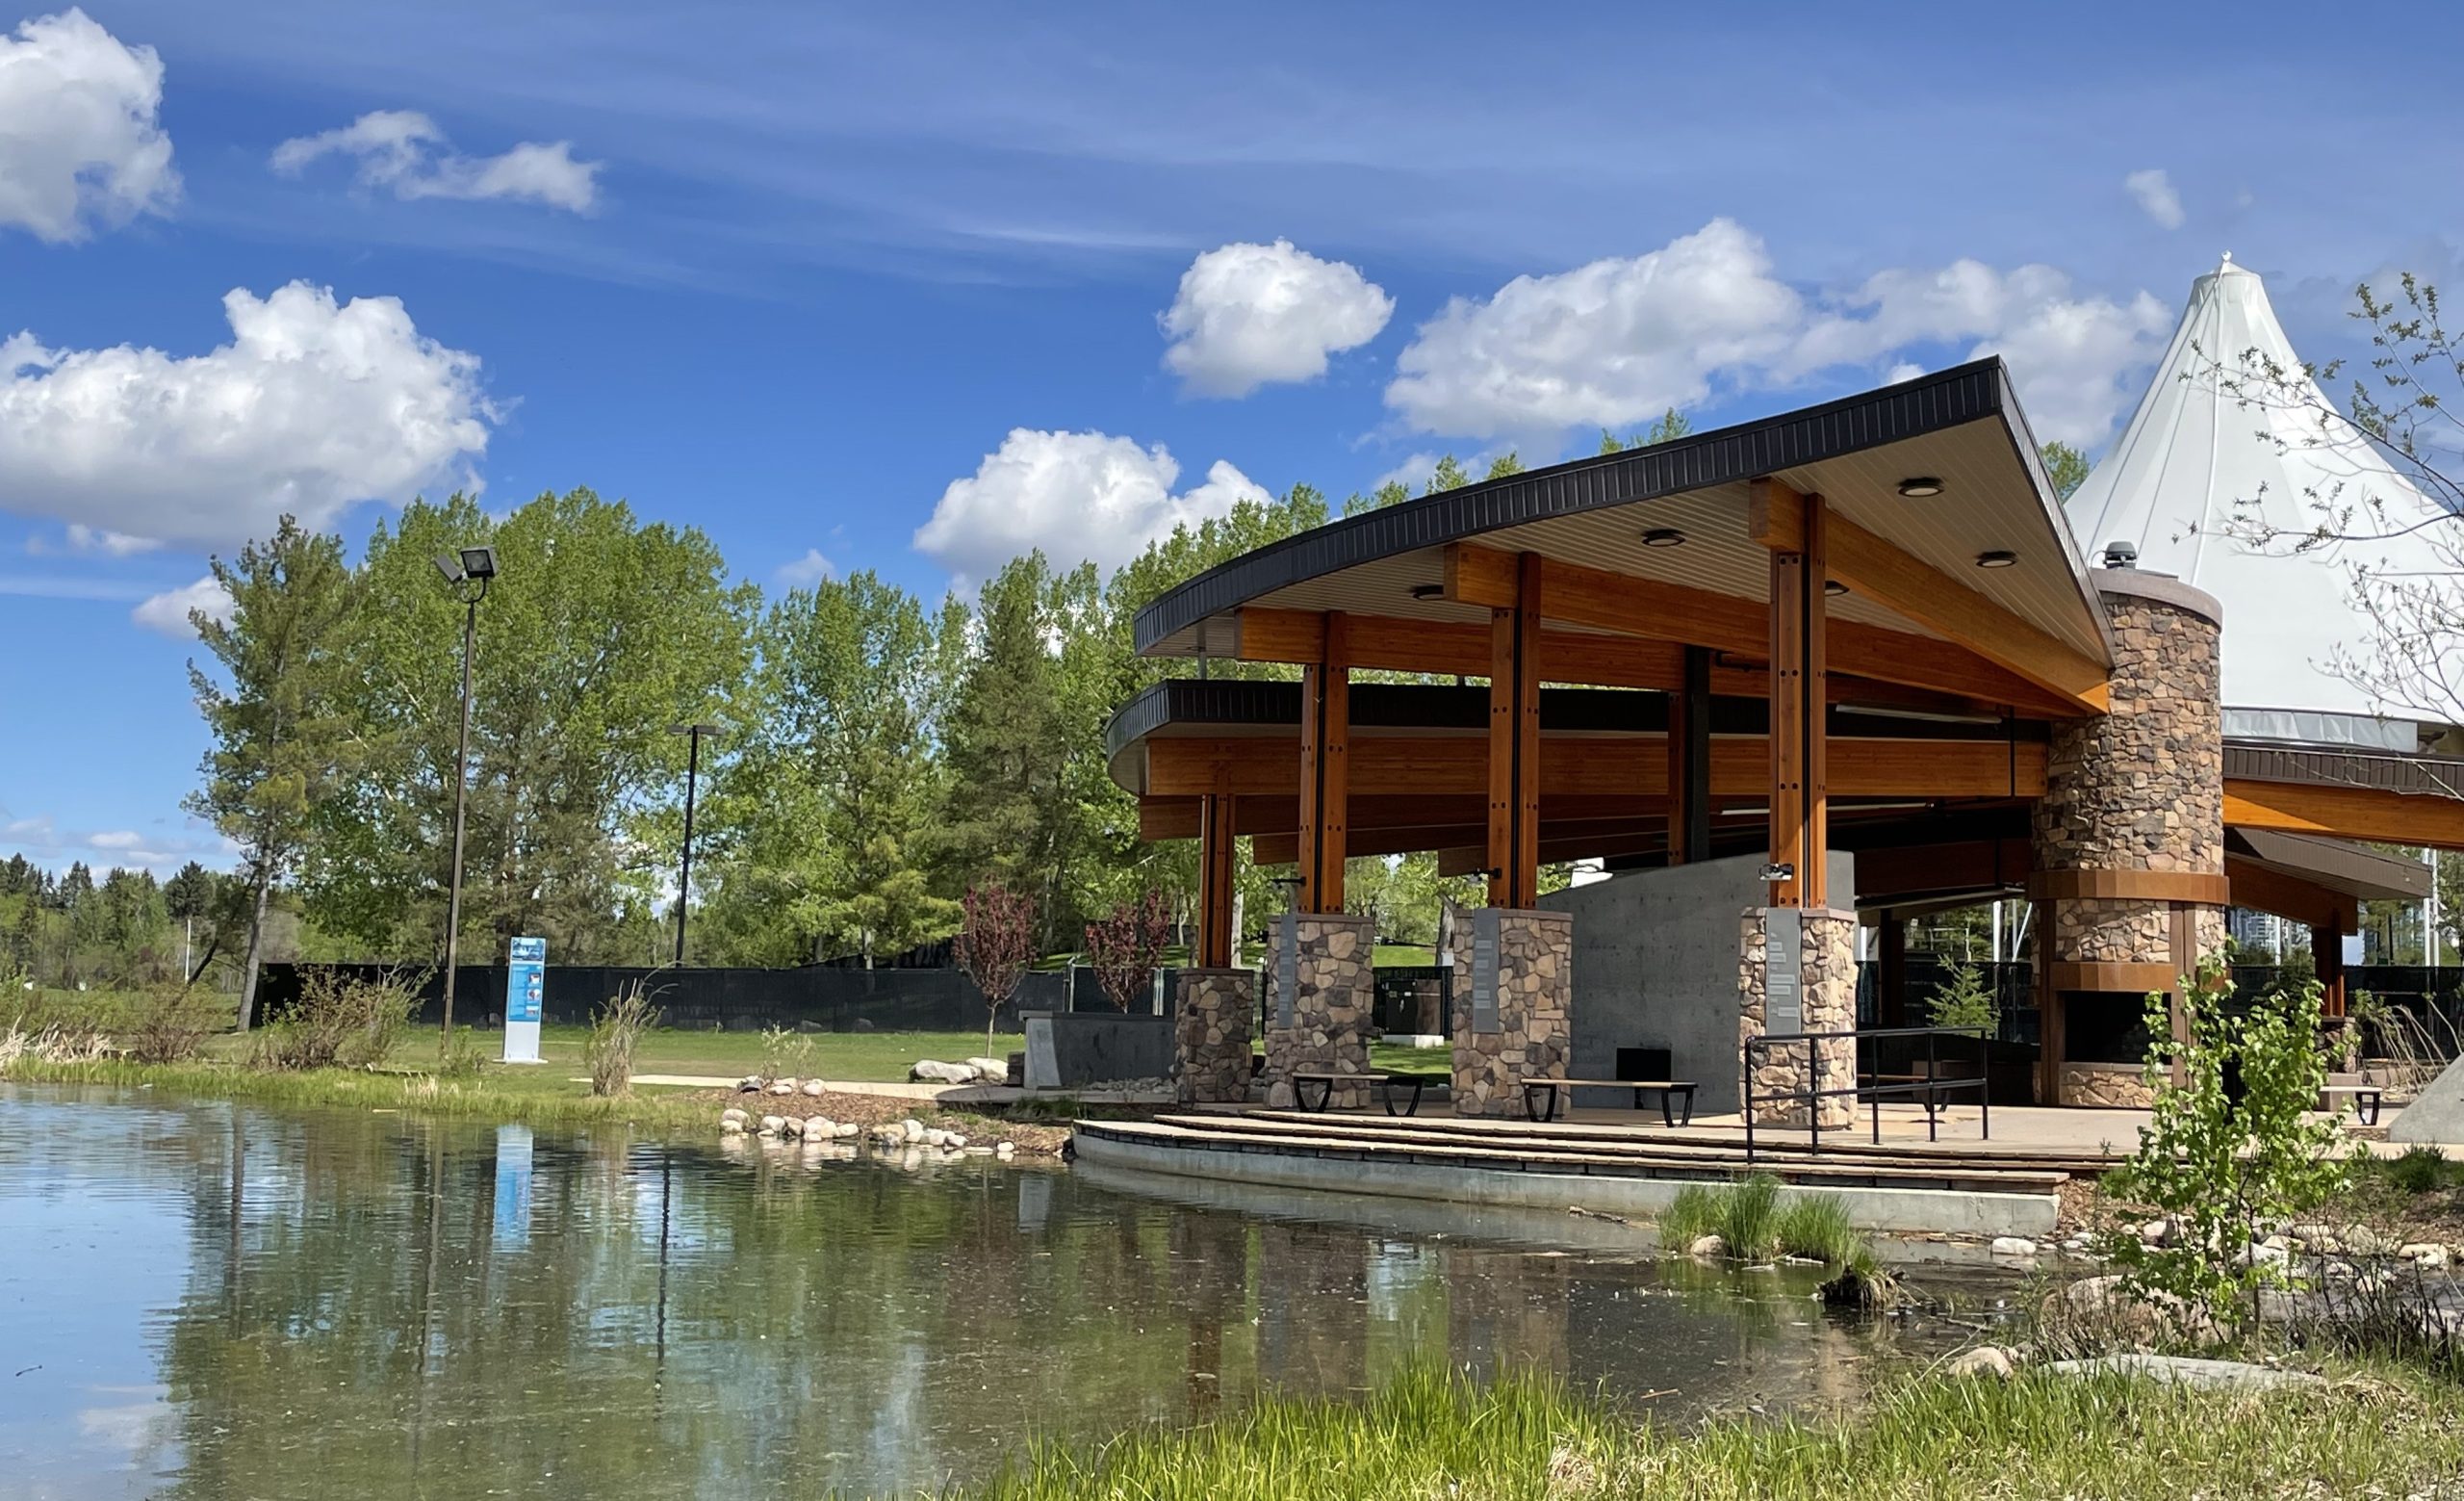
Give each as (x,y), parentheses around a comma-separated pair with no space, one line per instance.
(677,1320)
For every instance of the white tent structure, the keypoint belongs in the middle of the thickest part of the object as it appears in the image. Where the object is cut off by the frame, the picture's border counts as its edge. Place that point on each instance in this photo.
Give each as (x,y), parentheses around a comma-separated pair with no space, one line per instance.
(2193,453)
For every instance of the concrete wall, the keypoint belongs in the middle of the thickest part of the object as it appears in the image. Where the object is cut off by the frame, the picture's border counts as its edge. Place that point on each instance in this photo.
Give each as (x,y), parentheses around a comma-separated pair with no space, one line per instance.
(1655,966)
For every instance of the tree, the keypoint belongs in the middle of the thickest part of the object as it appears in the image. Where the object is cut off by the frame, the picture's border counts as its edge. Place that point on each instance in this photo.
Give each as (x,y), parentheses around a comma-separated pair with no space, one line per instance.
(1127,944)
(2065,466)
(598,634)
(1448,475)
(1669,427)
(826,809)
(1505,466)
(1963,1000)
(281,749)
(996,945)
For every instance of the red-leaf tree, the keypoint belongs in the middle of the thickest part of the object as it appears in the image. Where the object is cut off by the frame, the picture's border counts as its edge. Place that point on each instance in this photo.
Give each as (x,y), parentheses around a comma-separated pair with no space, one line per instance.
(1125,946)
(996,945)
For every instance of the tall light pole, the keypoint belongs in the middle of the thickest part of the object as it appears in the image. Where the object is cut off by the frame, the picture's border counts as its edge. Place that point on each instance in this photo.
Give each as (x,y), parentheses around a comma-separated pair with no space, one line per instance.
(692,734)
(469,572)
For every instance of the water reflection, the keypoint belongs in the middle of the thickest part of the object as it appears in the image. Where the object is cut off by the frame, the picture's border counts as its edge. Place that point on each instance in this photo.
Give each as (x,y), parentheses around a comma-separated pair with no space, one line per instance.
(211,1300)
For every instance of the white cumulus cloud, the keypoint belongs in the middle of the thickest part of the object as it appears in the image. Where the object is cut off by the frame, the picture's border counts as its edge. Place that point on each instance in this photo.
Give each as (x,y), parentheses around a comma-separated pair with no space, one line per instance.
(1252,315)
(310,408)
(1078,495)
(1603,345)
(168,610)
(2153,191)
(807,570)
(1618,342)
(81,140)
(403,151)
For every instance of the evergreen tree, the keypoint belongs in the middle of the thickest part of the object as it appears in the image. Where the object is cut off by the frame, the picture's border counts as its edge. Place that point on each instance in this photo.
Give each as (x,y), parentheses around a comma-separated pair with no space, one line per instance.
(280,747)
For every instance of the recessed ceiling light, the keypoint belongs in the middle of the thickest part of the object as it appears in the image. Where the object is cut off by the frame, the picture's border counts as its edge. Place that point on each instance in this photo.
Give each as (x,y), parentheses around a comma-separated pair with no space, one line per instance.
(1917,488)
(1997,558)
(1663,536)
(1833,586)
(1428,591)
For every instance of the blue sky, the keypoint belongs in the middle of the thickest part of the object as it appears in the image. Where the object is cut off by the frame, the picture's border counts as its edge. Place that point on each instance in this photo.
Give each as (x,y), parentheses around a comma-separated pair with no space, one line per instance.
(791,273)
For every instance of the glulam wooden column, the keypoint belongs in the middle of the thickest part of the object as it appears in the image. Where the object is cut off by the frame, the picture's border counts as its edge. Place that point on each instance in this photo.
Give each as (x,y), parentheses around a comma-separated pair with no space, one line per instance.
(1514,742)
(1800,747)
(1326,770)
(1217,878)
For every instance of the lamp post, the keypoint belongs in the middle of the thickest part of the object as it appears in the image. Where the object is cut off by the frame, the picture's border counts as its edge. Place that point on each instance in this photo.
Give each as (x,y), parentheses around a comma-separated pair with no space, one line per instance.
(692,734)
(469,572)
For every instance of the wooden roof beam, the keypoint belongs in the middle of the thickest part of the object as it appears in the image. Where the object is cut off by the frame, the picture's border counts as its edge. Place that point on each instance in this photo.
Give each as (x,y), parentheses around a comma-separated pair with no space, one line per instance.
(2353,812)
(1884,573)
(1604,600)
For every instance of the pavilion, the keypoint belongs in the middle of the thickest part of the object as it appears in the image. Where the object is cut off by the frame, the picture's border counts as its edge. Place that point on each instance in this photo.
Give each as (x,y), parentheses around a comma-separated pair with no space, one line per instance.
(1850,659)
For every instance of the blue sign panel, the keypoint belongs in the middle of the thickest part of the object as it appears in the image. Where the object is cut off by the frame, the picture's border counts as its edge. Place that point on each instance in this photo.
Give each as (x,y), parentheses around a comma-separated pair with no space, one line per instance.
(525,979)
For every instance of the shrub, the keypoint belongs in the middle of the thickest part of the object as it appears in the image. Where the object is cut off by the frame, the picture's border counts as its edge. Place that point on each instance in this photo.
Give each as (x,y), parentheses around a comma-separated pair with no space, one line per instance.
(338,1021)
(2420,1170)
(171,1026)
(614,1031)
(785,1054)
(2224,1170)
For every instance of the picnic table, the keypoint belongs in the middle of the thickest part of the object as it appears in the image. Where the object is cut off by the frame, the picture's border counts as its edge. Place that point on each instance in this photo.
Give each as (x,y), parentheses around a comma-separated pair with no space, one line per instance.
(1542,1096)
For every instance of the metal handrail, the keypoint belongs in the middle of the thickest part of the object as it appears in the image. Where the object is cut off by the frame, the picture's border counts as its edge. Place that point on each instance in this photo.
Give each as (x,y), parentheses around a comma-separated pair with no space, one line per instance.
(1931,1087)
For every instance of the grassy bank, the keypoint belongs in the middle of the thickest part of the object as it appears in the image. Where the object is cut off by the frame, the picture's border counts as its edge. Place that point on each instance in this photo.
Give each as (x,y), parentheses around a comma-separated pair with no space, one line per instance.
(1430,1434)
(541,1096)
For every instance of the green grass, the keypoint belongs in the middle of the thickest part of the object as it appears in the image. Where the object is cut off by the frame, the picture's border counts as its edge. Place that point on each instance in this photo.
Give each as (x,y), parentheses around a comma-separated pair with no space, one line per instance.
(1430,1432)
(1750,1216)
(1395,1058)
(851,1057)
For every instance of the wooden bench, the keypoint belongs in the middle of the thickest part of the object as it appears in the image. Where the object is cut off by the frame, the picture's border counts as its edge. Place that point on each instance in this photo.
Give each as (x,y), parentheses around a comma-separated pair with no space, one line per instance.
(2366,1100)
(1542,1096)
(1386,1082)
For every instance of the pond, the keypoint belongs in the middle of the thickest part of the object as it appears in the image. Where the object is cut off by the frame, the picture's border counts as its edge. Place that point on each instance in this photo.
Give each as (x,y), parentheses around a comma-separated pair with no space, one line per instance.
(199,1298)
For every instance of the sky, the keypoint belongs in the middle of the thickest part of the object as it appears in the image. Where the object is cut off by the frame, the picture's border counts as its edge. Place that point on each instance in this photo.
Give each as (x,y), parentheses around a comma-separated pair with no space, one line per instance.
(915,288)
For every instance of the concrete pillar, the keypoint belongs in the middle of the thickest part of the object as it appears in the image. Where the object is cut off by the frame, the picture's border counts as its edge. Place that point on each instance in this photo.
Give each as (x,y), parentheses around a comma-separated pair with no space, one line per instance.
(1513,992)
(1826,1002)
(2129,838)
(1211,1035)
(1321,992)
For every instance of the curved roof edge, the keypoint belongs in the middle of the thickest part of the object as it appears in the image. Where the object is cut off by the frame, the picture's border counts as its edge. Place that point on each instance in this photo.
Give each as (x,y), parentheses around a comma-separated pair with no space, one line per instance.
(1913,408)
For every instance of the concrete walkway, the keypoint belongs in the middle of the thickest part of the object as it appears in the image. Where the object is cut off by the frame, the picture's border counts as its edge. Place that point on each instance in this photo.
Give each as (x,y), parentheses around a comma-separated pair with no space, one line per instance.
(934,1094)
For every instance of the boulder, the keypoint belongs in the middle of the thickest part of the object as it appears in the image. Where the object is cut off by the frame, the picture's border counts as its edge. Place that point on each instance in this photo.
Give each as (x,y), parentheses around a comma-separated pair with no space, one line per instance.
(2363,1241)
(990,1070)
(2227,1375)
(911,1131)
(814,1087)
(1707,1246)
(1985,1361)
(929,1072)
(749,1084)
(2261,1253)
(731,1113)
(1279,1096)
(1005,1150)
(731,1127)
(820,1127)
(782,1086)
(791,1127)
(2428,1256)
(772,1124)
(954,1140)
(2156,1232)
(2011,1246)
(847,1129)
(935,1136)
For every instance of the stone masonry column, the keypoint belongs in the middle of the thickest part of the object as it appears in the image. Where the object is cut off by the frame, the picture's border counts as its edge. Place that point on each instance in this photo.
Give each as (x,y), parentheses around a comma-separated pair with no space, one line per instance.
(1319,996)
(1212,1018)
(1514,975)
(1826,1001)
(2129,840)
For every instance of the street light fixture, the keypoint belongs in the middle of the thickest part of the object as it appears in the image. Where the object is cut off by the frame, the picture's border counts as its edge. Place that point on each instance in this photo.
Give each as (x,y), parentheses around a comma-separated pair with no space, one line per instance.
(693,734)
(469,570)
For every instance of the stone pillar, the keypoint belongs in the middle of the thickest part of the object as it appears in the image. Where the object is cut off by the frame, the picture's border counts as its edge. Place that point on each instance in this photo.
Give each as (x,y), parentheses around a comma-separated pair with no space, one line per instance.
(2129,838)
(1512,1026)
(1211,1034)
(1826,1002)
(1319,1025)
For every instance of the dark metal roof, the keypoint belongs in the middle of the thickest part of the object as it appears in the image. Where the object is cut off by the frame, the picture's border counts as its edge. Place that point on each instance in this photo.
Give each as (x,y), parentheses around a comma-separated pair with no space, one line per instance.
(2421,776)
(1947,398)
(2338,865)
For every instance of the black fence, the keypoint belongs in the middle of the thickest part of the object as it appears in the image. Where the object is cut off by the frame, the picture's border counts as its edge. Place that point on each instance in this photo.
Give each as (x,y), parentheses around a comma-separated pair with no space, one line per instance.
(1412,998)
(823,998)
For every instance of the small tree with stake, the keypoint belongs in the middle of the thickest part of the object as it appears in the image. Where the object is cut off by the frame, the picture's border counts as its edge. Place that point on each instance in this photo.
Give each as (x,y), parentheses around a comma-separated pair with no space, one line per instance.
(1125,946)
(995,943)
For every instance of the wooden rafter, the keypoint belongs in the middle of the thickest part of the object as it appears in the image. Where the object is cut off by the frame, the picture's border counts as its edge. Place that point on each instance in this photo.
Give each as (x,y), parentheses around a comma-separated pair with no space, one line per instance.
(1882,572)
(2357,813)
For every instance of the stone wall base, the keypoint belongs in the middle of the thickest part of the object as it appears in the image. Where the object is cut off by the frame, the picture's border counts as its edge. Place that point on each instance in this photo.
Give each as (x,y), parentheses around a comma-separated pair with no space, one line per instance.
(1213,1015)
(2110,1086)
(1333,998)
(1530,1036)
(1827,971)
